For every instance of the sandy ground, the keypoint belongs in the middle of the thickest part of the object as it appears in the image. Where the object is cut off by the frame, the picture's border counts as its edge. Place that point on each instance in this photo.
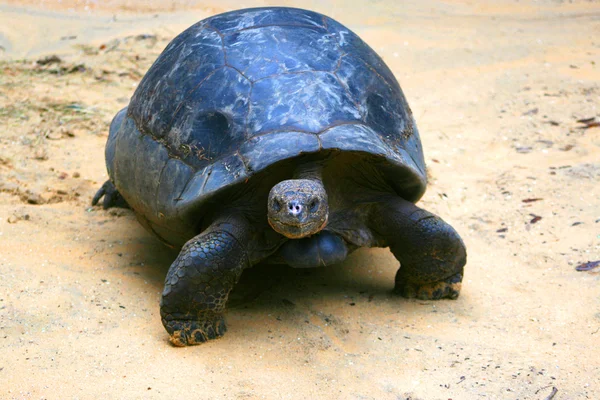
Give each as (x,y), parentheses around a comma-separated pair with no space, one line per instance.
(497,89)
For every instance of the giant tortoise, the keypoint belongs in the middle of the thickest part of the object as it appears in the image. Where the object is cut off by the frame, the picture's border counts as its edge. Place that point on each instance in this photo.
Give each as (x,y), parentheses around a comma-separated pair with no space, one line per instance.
(273,134)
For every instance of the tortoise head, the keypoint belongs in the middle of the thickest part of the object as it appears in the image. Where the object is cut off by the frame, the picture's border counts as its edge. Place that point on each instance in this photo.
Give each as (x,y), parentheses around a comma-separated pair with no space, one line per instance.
(298,207)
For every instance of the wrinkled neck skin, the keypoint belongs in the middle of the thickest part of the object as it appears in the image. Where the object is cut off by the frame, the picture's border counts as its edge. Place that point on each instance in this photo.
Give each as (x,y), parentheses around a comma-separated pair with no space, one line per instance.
(312,171)
(298,207)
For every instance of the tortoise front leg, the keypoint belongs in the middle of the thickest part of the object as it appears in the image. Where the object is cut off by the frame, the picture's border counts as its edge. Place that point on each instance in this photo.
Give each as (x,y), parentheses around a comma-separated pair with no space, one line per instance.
(200,279)
(431,254)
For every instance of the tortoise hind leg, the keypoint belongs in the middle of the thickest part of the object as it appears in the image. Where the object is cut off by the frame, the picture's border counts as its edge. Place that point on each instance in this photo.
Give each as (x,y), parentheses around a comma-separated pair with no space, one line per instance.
(431,253)
(112,198)
(199,281)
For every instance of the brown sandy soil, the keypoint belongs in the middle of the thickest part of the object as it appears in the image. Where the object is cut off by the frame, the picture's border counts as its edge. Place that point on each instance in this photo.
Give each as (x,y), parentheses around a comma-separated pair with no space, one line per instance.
(497,89)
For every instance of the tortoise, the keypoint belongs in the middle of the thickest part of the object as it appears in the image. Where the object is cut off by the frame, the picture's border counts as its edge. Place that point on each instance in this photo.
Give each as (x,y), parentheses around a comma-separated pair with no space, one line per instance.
(273,134)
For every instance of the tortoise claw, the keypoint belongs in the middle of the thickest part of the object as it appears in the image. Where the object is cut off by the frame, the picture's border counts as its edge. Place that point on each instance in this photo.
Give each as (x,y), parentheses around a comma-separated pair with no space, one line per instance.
(193,332)
(445,289)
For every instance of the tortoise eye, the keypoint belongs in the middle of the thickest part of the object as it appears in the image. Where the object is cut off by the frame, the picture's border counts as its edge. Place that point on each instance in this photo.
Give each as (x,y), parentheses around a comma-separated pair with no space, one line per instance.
(314,205)
(276,205)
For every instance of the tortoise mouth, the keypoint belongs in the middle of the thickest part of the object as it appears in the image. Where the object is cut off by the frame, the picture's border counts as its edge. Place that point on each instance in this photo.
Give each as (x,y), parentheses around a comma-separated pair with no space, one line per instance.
(297,231)
(275,220)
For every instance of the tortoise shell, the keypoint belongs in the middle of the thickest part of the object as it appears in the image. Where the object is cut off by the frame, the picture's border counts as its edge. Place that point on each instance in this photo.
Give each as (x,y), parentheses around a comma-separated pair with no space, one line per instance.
(237,93)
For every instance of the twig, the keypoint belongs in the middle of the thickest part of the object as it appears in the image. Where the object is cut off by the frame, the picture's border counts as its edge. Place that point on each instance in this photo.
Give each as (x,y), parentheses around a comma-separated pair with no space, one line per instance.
(551,395)
(542,388)
(588,266)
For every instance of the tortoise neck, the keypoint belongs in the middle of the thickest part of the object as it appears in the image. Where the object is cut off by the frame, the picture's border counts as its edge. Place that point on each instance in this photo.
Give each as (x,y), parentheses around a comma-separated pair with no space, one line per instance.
(312,171)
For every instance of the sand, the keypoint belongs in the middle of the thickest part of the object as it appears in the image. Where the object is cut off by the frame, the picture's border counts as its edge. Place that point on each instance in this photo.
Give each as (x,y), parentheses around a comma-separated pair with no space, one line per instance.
(496,88)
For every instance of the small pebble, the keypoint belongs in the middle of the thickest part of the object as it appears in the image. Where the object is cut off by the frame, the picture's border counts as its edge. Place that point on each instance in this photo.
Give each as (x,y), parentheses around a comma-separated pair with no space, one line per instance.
(34,198)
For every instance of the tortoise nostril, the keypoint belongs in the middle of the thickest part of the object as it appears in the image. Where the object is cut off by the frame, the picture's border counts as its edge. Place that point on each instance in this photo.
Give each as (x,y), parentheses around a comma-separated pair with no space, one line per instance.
(294,207)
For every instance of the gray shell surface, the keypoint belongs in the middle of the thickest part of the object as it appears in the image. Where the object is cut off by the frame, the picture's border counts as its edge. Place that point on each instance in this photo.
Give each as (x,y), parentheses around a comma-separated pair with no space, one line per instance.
(240,91)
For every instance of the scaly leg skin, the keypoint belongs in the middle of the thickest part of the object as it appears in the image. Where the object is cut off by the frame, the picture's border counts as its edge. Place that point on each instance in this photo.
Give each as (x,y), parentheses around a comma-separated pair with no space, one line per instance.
(431,253)
(199,281)
(112,198)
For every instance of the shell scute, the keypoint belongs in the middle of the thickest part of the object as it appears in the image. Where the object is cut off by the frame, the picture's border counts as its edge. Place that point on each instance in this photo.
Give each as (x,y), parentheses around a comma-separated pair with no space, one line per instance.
(212,120)
(251,18)
(271,50)
(308,102)
(174,75)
